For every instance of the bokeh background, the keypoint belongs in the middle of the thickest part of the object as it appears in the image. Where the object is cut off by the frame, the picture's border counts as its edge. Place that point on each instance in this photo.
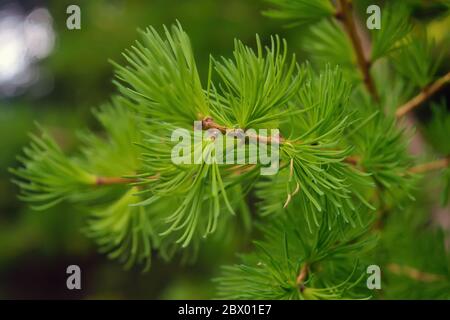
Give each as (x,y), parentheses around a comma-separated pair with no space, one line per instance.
(54,76)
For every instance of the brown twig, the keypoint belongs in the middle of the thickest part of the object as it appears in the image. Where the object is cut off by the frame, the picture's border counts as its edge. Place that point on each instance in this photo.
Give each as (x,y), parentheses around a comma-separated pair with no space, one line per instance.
(424,95)
(241,169)
(431,166)
(302,275)
(414,273)
(353,160)
(208,123)
(103,181)
(345,15)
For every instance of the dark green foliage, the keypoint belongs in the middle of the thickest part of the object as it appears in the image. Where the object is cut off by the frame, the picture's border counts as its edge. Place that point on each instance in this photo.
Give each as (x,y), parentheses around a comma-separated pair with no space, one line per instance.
(330,253)
(437,132)
(300,12)
(416,261)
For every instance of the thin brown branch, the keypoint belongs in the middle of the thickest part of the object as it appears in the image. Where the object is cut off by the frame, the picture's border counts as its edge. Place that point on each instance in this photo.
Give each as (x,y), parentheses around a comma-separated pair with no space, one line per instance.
(302,275)
(353,160)
(345,15)
(241,169)
(414,274)
(431,166)
(103,181)
(424,95)
(208,123)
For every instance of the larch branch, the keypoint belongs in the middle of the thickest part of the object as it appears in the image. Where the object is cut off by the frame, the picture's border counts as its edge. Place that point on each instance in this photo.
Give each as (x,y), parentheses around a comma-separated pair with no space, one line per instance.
(424,95)
(101,181)
(414,274)
(104,181)
(431,166)
(208,123)
(346,17)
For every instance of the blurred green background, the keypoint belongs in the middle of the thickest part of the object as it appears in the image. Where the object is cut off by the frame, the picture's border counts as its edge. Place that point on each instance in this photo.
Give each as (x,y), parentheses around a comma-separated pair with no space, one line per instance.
(54,76)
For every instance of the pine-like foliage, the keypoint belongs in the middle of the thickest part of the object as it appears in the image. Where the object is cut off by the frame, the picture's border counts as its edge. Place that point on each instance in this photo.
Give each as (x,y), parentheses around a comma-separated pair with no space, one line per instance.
(345,169)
